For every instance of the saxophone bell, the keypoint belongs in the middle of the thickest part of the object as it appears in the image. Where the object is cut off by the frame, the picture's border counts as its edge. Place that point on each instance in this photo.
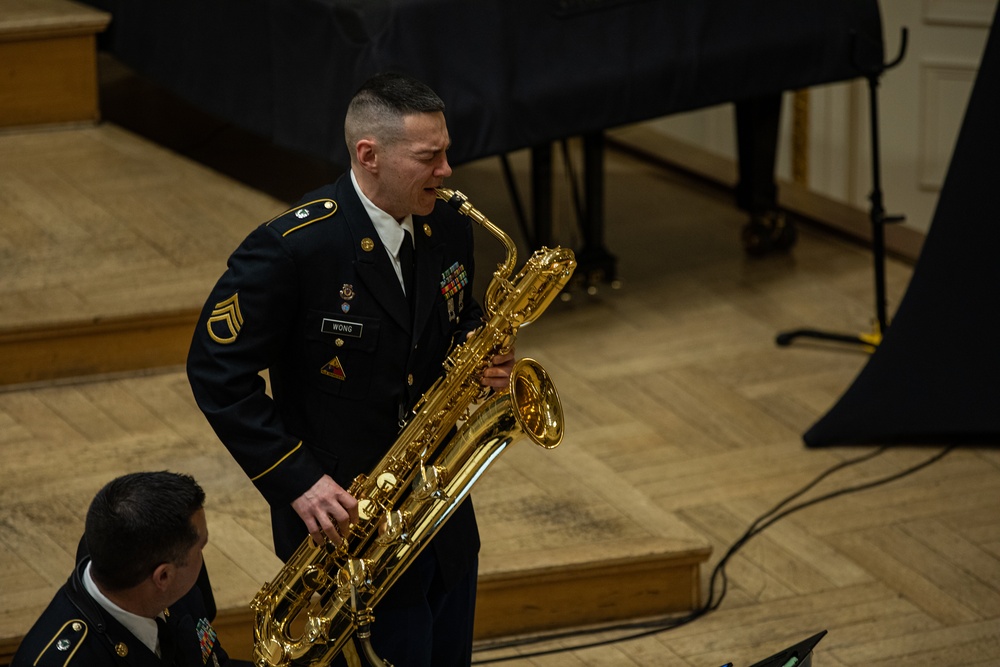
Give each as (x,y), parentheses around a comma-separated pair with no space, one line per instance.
(536,403)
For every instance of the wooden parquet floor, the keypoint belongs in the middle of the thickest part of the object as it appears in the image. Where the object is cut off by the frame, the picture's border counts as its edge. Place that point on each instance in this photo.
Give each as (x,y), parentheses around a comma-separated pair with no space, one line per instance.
(683,419)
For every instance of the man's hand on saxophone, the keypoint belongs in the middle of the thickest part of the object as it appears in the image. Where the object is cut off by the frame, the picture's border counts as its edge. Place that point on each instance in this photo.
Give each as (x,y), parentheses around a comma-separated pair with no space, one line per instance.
(497,375)
(327,510)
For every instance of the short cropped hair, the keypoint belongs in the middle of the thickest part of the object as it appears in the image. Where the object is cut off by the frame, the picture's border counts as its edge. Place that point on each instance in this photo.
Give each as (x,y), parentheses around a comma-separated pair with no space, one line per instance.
(378,108)
(138,522)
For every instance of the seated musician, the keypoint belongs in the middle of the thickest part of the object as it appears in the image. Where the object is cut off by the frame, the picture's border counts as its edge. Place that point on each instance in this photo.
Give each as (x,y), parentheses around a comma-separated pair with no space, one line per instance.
(133,597)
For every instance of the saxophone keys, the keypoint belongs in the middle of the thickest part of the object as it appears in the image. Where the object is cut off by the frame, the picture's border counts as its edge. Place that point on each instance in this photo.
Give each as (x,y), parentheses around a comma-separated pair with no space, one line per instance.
(314,577)
(367,509)
(429,482)
(354,576)
(317,629)
(386,481)
(393,528)
(270,652)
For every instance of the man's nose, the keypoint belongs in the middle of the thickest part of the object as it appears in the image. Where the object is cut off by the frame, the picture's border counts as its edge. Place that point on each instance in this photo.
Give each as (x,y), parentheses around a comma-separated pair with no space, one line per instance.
(444,169)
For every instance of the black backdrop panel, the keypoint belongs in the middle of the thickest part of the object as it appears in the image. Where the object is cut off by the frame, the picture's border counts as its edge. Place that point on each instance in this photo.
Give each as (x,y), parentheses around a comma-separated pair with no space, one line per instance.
(936,376)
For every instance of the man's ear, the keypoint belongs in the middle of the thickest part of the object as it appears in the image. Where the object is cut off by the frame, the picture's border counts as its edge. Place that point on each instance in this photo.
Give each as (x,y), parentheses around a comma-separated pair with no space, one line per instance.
(163,575)
(367,155)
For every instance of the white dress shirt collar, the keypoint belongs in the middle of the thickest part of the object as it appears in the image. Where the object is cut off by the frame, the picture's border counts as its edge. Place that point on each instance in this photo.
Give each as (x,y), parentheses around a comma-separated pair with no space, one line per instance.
(386,226)
(143,628)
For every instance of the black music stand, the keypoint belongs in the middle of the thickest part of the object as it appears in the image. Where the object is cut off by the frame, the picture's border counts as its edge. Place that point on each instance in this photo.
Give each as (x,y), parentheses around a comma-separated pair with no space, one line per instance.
(797,655)
(879,219)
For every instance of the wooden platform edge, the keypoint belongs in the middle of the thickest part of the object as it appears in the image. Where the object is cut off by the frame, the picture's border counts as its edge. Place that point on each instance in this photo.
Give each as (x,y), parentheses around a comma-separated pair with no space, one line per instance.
(546,599)
(83,349)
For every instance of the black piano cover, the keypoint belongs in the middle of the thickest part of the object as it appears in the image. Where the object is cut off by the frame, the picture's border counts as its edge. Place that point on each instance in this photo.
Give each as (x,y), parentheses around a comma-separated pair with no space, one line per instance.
(513,73)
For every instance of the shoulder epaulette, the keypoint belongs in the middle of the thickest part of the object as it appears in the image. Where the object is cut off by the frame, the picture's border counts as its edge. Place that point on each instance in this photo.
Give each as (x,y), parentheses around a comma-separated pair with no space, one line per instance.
(296,218)
(63,645)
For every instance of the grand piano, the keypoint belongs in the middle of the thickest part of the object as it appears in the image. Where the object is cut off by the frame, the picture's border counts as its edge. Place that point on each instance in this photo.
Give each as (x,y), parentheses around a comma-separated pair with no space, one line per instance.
(514,74)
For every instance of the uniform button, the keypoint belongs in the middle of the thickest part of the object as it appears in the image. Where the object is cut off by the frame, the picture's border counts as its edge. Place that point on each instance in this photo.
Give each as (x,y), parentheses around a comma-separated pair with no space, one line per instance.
(409,379)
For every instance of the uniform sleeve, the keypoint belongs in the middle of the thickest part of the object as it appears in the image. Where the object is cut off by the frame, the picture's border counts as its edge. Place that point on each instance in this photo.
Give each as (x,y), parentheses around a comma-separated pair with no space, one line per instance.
(242,328)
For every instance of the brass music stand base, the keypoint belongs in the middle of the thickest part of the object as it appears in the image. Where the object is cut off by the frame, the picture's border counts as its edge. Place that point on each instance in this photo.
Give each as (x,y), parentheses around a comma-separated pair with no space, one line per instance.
(879,219)
(869,341)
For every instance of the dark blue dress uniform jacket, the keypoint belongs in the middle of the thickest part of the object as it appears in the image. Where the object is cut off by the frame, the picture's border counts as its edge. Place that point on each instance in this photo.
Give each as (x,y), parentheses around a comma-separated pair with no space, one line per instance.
(312,297)
(75,630)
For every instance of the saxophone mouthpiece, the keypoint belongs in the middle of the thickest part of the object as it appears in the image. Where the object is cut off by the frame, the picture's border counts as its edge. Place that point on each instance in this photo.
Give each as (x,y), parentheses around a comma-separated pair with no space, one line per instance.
(454,198)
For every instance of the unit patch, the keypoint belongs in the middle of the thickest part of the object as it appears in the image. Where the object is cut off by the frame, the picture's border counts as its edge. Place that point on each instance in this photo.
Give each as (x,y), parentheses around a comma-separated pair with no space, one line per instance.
(334,369)
(226,320)
(342,327)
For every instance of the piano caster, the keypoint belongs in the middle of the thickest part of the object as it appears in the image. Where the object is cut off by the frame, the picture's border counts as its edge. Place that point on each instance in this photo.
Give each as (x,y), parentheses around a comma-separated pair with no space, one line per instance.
(596,268)
(593,287)
(773,231)
(589,282)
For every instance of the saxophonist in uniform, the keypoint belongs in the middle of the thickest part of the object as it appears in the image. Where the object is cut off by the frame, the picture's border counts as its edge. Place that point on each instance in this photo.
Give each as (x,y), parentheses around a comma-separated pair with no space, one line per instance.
(350,302)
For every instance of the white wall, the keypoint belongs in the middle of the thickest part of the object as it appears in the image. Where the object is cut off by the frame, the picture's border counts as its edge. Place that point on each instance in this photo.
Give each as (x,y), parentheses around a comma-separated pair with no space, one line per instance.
(921,106)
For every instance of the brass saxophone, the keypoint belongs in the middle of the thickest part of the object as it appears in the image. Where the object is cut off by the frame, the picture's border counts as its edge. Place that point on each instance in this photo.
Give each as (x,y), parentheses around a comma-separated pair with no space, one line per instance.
(324,595)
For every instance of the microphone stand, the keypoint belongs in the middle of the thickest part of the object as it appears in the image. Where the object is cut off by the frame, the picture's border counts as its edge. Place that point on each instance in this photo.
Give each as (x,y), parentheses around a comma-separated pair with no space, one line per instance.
(869,341)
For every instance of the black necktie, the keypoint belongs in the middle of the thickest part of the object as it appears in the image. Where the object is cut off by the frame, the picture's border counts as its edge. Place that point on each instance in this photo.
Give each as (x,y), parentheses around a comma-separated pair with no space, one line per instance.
(406,265)
(166,638)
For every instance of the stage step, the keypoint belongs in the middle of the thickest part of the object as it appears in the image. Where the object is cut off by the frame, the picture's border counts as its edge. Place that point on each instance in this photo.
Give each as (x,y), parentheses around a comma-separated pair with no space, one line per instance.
(48,48)
(110,246)
(566,541)
(103,346)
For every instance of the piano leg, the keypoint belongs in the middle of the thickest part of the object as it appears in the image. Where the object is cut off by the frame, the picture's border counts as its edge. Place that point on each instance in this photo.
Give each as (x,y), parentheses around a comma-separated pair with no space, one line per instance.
(757,122)
(595,264)
(541,195)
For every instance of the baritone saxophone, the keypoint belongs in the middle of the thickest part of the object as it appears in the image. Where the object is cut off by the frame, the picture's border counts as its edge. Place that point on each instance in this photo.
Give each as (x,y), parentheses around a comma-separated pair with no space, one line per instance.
(324,596)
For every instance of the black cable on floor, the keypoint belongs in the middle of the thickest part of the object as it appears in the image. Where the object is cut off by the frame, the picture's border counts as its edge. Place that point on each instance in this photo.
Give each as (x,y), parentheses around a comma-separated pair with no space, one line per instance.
(762,522)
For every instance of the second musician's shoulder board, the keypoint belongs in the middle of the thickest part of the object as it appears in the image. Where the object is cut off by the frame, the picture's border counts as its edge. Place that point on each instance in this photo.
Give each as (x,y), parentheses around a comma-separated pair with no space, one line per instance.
(62,648)
(303,215)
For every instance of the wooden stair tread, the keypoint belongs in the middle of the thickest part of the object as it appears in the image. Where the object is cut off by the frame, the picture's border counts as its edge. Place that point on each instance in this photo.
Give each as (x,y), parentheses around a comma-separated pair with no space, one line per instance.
(45,18)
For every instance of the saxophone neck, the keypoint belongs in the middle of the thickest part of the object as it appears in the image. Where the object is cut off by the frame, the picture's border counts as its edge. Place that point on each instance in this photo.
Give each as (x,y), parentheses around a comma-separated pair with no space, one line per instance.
(460,203)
